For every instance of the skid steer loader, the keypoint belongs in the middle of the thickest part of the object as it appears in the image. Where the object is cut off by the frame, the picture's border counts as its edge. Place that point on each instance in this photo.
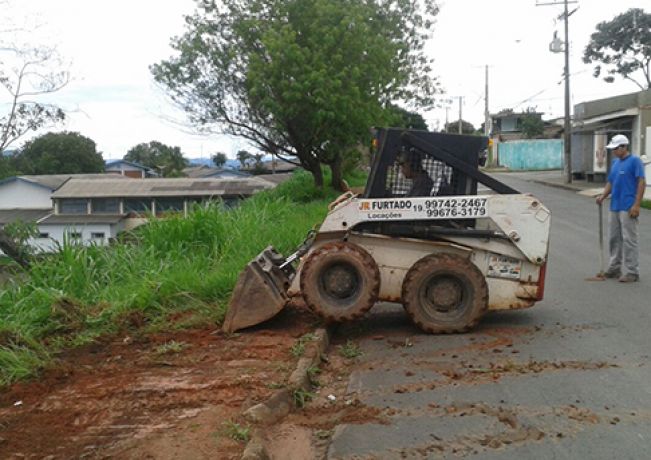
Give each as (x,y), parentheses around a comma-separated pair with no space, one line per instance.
(428,241)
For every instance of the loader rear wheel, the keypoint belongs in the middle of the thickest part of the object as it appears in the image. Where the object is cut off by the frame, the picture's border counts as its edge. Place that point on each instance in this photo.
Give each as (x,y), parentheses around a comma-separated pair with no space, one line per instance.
(340,281)
(444,293)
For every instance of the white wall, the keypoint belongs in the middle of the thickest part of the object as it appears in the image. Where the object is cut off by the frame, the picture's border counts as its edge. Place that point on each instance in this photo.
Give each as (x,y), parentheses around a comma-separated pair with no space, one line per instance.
(56,233)
(21,194)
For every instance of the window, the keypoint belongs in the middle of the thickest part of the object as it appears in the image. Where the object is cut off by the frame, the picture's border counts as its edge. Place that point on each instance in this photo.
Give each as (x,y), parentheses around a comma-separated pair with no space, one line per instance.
(136,205)
(169,205)
(97,235)
(74,235)
(43,235)
(105,206)
(73,206)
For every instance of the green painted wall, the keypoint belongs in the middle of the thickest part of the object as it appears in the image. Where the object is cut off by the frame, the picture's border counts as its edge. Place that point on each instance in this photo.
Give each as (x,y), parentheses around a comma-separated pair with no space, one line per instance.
(531,154)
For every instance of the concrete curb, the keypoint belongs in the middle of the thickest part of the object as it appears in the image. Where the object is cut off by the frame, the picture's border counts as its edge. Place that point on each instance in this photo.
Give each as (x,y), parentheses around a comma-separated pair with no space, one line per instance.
(281,403)
(554,184)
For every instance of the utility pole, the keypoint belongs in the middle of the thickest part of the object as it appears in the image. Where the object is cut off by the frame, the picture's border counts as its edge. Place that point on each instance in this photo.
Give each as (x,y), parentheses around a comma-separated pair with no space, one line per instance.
(487,129)
(460,123)
(567,128)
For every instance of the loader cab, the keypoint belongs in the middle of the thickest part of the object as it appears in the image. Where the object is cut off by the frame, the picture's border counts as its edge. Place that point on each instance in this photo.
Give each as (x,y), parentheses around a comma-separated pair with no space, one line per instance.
(422,151)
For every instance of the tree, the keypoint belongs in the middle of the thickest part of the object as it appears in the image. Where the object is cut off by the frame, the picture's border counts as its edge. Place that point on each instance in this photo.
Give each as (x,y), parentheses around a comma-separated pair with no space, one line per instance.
(532,125)
(59,153)
(406,119)
(466,127)
(258,165)
(622,47)
(7,167)
(169,161)
(243,157)
(27,72)
(300,78)
(219,159)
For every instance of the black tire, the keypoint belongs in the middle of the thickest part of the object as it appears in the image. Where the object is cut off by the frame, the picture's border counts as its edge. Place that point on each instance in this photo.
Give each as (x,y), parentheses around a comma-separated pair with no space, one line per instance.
(340,281)
(444,293)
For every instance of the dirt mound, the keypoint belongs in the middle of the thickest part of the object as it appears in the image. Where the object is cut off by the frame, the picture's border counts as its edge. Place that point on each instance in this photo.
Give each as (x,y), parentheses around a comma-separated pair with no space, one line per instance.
(173,395)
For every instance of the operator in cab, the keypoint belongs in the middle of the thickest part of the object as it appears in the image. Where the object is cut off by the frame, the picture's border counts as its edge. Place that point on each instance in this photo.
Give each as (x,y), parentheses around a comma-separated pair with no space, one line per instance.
(412,168)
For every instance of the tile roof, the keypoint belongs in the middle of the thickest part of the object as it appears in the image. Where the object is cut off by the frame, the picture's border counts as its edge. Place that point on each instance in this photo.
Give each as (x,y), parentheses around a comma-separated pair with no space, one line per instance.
(68,219)
(54,181)
(277,178)
(24,215)
(181,187)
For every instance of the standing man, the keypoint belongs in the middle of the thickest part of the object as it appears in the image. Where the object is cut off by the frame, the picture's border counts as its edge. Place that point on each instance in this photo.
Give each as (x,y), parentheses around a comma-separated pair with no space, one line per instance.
(626,186)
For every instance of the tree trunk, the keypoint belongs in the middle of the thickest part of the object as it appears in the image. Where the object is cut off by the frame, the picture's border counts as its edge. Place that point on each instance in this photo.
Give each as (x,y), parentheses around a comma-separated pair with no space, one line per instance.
(337,175)
(317,174)
(12,251)
(314,167)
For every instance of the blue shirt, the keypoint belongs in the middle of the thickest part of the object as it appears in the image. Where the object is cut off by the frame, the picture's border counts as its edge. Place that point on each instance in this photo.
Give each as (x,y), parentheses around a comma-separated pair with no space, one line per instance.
(624,176)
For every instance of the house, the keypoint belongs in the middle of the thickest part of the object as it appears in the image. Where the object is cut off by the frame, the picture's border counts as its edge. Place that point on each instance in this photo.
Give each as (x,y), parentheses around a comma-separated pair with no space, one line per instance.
(595,122)
(130,169)
(203,171)
(29,198)
(507,126)
(35,192)
(90,211)
(510,146)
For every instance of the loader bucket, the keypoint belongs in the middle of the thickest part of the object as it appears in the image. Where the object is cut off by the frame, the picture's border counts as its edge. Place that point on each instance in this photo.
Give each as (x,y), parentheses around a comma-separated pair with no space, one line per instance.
(260,292)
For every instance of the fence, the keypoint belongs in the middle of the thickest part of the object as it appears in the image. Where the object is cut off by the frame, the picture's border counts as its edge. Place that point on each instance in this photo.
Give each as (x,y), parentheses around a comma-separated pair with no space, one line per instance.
(535,154)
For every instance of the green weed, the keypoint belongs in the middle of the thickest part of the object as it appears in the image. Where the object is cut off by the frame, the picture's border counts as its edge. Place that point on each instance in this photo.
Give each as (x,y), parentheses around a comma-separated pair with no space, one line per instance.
(312,374)
(298,348)
(302,397)
(170,273)
(350,350)
(236,431)
(170,347)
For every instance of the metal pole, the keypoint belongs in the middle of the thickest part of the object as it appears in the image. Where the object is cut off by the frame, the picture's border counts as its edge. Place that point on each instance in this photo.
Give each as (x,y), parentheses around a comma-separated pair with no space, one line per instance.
(567,127)
(486,115)
(460,128)
(567,137)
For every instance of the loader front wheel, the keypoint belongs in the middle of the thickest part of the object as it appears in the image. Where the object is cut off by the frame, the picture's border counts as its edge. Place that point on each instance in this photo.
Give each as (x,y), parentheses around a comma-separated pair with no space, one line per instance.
(340,281)
(444,293)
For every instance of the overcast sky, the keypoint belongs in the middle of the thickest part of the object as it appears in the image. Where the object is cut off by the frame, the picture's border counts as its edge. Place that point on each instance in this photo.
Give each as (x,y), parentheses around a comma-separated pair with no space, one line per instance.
(113,100)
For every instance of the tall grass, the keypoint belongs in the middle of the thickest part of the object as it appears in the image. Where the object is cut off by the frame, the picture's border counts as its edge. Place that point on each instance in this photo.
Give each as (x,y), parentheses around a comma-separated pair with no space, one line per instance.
(169,266)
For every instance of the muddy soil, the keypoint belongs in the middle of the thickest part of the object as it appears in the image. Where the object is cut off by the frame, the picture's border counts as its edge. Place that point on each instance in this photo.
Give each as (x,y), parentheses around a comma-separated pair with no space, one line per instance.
(163,396)
(306,432)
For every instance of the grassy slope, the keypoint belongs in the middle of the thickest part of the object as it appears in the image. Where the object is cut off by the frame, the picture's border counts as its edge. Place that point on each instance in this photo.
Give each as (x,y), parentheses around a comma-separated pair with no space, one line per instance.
(171,268)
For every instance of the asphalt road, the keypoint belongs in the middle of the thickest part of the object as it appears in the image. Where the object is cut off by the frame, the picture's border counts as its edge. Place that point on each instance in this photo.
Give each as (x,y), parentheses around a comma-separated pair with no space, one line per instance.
(567,379)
